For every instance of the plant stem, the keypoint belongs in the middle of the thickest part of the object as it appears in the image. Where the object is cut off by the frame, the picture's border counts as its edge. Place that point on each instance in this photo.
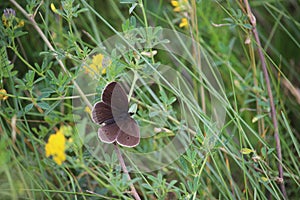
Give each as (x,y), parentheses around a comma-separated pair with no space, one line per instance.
(25,61)
(124,168)
(144,13)
(273,110)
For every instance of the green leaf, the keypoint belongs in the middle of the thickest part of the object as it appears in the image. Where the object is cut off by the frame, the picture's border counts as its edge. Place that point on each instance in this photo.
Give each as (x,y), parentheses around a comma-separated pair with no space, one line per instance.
(264,152)
(154,113)
(29,78)
(52,75)
(28,107)
(172,100)
(133,108)
(171,184)
(147,186)
(43,105)
(271,150)
(184,164)
(20,33)
(247,26)
(132,7)
(52,107)
(44,95)
(258,117)
(5,65)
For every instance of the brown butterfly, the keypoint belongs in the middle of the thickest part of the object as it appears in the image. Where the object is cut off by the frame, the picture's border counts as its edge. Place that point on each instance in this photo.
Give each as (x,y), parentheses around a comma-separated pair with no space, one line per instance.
(112,114)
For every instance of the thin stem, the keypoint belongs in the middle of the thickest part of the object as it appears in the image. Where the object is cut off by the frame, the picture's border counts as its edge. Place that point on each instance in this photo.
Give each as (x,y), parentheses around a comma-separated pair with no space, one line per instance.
(144,13)
(124,168)
(24,61)
(273,110)
(198,175)
(197,51)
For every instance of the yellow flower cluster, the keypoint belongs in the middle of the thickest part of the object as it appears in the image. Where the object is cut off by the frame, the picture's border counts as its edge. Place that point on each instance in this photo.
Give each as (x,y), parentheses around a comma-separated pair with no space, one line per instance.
(3,94)
(182,6)
(96,66)
(56,146)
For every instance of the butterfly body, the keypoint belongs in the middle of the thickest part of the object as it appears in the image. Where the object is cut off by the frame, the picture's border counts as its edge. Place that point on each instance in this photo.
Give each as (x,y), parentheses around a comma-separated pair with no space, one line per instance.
(112,114)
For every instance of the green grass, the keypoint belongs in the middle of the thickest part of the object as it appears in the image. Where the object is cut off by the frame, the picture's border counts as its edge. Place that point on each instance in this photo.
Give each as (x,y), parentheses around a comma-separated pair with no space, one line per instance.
(209,97)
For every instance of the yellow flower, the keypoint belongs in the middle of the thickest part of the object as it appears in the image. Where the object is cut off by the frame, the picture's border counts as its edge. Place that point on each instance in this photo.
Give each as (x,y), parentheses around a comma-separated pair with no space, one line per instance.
(184,23)
(264,179)
(180,5)
(21,23)
(56,147)
(96,65)
(87,110)
(175,3)
(70,140)
(103,71)
(52,6)
(3,94)
(177,9)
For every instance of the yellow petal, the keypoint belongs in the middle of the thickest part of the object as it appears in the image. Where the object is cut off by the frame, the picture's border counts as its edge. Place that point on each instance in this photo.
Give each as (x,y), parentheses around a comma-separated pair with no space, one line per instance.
(57,160)
(3,95)
(87,110)
(264,179)
(103,71)
(177,9)
(21,23)
(56,146)
(53,8)
(175,3)
(97,59)
(246,151)
(184,22)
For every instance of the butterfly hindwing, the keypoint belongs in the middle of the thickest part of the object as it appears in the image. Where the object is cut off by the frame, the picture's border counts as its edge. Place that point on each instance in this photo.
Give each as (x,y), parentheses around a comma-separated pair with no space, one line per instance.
(101,112)
(129,135)
(108,133)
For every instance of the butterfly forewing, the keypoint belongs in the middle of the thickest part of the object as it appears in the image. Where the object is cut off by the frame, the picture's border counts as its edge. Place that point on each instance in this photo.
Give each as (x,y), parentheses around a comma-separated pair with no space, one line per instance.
(101,112)
(115,96)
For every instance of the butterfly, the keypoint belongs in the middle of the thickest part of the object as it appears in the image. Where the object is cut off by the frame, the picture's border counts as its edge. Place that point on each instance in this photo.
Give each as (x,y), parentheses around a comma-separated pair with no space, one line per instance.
(111,113)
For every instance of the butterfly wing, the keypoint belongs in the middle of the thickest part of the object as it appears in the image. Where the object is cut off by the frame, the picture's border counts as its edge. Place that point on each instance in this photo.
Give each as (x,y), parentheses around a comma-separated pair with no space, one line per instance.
(108,133)
(101,112)
(115,96)
(129,135)
(114,108)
